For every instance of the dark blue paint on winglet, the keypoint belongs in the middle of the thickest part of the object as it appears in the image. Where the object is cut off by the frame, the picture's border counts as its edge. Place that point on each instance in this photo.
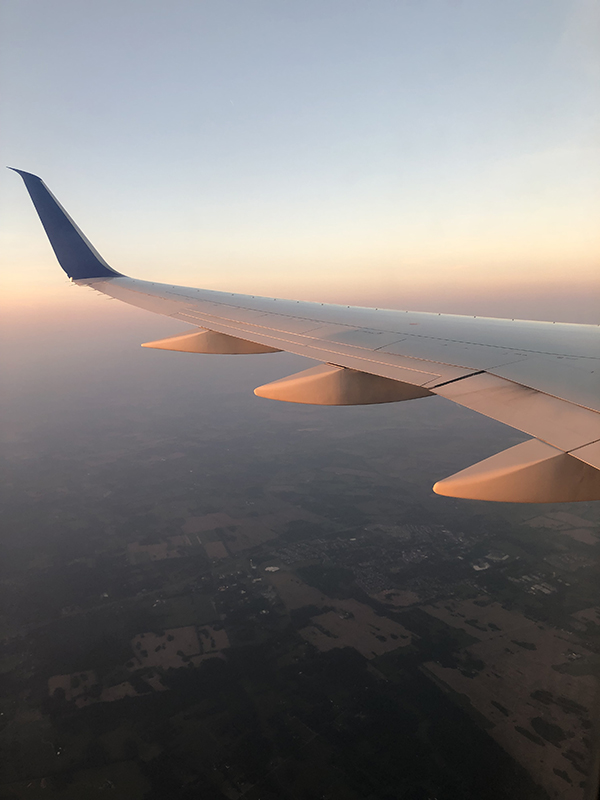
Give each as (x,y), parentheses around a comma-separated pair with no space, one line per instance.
(75,254)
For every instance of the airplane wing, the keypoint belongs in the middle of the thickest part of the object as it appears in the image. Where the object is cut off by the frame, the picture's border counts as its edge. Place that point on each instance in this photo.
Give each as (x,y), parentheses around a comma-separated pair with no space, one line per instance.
(541,378)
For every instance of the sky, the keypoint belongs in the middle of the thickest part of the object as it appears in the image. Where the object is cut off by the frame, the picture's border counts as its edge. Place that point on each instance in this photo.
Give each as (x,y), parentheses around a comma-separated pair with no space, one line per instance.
(438,155)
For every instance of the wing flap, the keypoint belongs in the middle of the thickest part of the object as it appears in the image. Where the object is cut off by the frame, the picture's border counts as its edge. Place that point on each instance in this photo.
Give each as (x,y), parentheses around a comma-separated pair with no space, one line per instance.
(590,454)
(557,422)
(561,376)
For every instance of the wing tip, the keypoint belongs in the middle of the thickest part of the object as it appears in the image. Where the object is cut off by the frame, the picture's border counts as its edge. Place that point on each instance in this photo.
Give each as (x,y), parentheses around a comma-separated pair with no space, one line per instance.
(23,172)
(75,254)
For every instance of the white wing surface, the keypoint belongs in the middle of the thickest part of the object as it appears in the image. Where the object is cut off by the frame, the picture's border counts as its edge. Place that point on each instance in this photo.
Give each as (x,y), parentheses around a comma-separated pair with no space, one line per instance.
(542,378)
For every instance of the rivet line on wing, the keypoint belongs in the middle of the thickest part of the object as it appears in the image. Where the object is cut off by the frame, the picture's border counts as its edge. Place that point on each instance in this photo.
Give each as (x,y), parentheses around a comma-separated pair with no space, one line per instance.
(423,337)
(280,336)
(313,347)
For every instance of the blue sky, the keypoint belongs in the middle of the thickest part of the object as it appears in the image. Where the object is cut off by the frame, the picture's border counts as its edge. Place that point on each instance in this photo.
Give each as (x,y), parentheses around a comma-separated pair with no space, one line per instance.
(433,155)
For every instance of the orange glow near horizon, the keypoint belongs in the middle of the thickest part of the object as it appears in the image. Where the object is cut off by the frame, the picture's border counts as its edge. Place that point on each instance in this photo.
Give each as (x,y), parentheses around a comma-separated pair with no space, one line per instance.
(483,293)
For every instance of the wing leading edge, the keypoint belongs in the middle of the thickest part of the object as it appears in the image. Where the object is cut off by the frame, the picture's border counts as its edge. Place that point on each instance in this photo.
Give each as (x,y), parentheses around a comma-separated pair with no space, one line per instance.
(541,378)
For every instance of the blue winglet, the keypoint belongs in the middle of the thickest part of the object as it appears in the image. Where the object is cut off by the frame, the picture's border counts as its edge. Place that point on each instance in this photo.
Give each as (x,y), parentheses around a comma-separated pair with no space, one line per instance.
(75,254)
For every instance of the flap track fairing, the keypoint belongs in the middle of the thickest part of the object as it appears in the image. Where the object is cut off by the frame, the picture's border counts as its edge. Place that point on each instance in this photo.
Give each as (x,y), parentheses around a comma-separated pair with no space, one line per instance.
(205,341)
(329,385)
(531,472)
